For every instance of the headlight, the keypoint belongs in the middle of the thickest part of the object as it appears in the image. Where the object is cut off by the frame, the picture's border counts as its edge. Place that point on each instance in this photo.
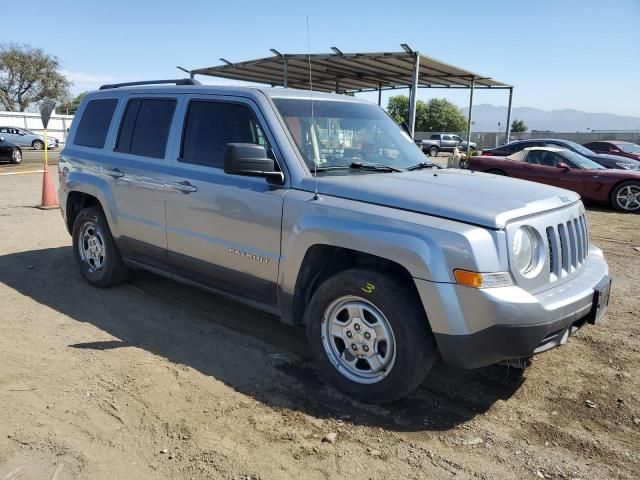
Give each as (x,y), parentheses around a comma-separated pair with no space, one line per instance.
(525,251)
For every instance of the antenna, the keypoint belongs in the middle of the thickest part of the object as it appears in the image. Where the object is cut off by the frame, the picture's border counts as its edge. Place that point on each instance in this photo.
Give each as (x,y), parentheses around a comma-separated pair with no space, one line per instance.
(314,140)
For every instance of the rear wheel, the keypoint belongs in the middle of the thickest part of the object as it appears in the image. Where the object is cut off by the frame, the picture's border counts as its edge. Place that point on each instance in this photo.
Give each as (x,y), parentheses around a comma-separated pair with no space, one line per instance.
(369,335)
(626,197)
(16,156)
(433,151)
(95,251)
(38,144)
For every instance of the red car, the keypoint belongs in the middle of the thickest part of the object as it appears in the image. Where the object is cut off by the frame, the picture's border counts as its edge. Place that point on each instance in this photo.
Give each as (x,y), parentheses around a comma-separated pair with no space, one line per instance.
(615,147)
(566,169)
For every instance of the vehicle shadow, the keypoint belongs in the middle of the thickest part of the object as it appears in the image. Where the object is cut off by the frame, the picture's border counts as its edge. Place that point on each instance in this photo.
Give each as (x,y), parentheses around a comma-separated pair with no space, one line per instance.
(250,351)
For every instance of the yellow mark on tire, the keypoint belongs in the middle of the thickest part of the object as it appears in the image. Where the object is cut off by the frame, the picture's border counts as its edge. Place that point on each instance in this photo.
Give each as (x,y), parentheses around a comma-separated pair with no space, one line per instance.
(368,288)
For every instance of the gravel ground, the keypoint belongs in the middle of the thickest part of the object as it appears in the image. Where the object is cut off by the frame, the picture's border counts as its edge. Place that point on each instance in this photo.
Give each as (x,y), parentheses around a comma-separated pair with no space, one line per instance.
(157,380)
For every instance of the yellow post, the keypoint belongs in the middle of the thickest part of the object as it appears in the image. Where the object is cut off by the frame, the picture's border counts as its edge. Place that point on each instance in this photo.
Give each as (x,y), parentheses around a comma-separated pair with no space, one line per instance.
(46,148)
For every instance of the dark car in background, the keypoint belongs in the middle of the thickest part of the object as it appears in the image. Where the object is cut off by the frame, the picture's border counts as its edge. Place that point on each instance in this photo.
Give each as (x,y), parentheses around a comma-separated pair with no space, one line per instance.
(564,168)
(615,147)
(607,161)
(10,151)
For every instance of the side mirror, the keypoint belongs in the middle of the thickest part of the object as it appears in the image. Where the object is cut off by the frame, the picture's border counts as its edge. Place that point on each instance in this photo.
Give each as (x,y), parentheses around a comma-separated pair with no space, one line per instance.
(563,166)
(250,160)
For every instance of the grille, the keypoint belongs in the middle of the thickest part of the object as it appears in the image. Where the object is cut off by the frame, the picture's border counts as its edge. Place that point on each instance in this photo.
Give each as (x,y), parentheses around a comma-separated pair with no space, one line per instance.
(568,247)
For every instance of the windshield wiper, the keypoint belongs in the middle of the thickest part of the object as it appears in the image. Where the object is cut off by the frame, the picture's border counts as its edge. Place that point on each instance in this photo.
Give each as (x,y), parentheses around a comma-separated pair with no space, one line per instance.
(421,165)
(376,167)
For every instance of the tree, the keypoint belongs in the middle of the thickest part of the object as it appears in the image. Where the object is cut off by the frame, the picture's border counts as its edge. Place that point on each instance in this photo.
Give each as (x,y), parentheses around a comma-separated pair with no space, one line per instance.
(518,126)
(398,108)
(28,75)
(69,106)
(436,115)
(440,115)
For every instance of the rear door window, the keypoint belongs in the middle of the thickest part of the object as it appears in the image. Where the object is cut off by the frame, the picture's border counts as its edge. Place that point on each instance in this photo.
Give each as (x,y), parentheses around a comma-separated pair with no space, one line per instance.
(145,127)
(94,124)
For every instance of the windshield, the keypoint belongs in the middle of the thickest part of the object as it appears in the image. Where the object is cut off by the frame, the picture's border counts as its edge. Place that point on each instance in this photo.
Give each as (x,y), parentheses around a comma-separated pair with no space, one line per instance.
(580,161)
(579,148)
(629,147)
(344,133)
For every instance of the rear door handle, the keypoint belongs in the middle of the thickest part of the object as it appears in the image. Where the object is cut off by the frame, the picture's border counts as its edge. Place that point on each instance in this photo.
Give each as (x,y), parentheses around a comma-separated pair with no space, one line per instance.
(183,186)
(115,173)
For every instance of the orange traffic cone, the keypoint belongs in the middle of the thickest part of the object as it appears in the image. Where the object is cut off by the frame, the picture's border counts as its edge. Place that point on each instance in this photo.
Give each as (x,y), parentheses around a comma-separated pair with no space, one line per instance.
(49,198)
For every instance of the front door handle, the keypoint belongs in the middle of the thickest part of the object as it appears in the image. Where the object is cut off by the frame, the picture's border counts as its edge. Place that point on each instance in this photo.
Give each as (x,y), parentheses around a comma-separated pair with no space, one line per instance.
(184,187)
(115,173)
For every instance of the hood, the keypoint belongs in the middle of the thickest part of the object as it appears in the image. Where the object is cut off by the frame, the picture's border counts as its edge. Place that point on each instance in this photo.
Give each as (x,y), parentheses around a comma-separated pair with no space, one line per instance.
(619,173)
(478,198)
(611,160)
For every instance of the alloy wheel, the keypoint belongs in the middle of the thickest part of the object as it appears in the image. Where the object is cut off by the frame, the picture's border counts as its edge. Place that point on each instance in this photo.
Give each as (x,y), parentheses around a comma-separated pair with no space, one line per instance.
(92,246)
(358,340)
(628,198)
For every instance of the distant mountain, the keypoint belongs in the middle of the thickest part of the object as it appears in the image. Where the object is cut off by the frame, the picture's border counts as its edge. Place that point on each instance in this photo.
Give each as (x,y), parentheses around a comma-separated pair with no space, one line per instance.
(486,118)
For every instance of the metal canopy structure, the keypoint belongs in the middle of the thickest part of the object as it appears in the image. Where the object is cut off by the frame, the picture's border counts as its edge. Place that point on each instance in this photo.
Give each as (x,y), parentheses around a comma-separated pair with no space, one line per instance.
(358,72)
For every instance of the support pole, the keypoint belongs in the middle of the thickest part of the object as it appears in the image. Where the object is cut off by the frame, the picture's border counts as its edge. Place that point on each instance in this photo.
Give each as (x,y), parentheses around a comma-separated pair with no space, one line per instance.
(509,115)
(380,94)
(473,83)
(413,99)
(286,73)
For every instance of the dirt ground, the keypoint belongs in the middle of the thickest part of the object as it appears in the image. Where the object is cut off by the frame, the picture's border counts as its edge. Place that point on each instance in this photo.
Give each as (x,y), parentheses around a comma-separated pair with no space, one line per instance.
(155,380)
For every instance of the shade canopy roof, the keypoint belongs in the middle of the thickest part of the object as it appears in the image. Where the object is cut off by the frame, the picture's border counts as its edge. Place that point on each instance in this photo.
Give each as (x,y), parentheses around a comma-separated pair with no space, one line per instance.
(350,72)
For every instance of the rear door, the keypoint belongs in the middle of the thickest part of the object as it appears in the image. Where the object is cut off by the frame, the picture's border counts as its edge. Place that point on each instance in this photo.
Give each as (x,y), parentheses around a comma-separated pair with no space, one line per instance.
(136,170)
(10,135)
(447,143)
(223,230)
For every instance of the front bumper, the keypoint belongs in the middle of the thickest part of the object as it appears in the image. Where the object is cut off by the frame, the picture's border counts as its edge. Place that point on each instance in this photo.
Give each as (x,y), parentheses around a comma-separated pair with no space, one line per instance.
(478,327)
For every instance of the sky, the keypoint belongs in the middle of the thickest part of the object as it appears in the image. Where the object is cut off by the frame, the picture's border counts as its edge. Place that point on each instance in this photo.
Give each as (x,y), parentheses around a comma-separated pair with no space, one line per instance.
(577,54)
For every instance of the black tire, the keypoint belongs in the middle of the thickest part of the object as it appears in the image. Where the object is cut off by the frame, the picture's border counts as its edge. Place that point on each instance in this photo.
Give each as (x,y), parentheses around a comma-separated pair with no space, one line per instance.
(111,271)
(415,348)
(433,151)
(16,156)
(38,144)
(495,171)
(633,187)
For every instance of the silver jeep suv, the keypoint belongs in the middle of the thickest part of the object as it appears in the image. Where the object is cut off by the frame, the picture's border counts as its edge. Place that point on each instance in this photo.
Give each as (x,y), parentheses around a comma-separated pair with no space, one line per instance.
(320,209)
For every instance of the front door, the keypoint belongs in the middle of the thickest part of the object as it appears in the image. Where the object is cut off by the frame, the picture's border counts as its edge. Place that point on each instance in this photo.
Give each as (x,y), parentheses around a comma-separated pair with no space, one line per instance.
(541,166)
(223,230)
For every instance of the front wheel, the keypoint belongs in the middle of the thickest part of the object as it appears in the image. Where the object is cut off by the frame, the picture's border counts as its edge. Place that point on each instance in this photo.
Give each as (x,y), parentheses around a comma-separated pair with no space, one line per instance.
(38,144)
(369,335)
(626,197)
(16,156)
(95,251)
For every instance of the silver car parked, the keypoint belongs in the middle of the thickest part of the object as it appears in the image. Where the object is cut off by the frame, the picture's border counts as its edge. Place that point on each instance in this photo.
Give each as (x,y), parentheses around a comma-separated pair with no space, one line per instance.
(27,138)
(321,210)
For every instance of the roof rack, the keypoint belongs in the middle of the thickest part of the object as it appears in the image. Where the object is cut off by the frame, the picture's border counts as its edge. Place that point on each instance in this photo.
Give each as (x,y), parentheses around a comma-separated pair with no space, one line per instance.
(179,81)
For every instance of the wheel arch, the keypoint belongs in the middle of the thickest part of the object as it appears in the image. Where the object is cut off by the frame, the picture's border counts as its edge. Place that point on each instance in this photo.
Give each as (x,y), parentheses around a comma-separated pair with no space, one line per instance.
(77,201)
(321,261)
